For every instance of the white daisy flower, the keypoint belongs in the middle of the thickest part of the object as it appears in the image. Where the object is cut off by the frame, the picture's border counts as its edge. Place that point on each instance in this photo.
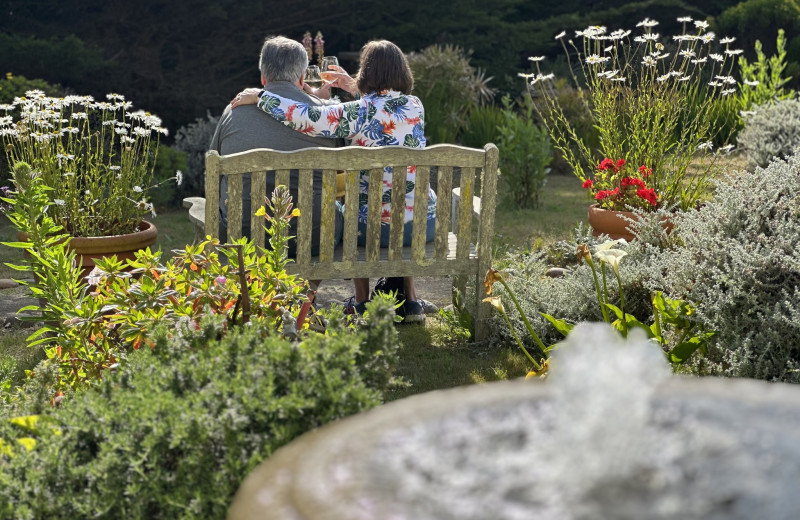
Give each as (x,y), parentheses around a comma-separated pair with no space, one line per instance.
(560,35)
(685,19)
(733,52)
(699,60)
(708,37)
(648,61)
(728,92)
(701,24)
(708,145)
(752,83)
(647,22)
(536,58)
(137,189)
(178,177)
(686,53)
(594,59)
(727,39)
(716,57)
(59,202)
(727,148)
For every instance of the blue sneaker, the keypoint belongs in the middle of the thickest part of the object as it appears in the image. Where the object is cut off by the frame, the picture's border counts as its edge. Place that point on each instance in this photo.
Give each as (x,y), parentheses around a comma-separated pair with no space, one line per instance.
(412,312)
(352,307)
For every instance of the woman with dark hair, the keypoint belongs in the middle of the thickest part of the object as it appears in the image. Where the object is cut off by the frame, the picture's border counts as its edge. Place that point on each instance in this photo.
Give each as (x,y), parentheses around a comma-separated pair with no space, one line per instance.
(385,115)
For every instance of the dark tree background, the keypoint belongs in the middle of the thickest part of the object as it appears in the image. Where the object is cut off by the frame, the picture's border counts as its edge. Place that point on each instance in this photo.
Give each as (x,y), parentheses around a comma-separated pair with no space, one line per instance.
(179,59)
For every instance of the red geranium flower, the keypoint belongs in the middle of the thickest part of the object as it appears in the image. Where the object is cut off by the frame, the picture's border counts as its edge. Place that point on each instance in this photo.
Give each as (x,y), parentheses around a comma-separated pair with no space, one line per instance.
(587,183)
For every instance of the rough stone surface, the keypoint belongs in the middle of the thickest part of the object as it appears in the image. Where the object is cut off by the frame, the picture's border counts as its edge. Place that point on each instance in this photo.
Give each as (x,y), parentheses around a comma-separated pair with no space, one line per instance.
(6,283)
(556,272)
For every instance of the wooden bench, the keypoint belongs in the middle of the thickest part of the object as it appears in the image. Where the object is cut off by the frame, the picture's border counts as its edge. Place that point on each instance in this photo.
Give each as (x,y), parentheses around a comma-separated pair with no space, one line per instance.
(453,252)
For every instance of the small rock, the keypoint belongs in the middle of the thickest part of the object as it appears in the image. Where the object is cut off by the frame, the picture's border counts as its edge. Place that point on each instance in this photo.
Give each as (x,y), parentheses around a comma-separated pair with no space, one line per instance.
(6,283)
(556,272)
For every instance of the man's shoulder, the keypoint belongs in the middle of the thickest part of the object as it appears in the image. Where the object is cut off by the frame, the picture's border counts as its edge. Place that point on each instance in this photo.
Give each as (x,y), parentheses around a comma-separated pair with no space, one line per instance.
(289,91)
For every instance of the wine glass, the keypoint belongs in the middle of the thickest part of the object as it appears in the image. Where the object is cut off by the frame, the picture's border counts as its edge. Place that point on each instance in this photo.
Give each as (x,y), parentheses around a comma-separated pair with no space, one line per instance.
(327,62)
(312,77)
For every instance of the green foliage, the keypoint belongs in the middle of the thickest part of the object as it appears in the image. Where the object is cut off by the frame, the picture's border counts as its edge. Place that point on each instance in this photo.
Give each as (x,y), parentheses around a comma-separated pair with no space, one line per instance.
(448,87)
(15,86)
(763,80)
(193,140)
(175,429)
(525,154)
(483,126)
(756,20)
(170,160)
(771,131)
(86,334)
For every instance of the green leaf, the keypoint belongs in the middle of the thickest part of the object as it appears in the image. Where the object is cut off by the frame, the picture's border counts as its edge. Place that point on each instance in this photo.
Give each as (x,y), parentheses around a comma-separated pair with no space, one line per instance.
(684,351)
(561,326)
(616,310)
(18,245)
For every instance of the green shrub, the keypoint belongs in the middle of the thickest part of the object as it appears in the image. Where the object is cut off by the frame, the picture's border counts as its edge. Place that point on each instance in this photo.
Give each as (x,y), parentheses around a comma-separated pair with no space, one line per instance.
(15,86)
(735,260)
(448,87)
(763,80)
(483,126)
(525,154)
(771,131)
(175,430)
(169,161)
(194,140)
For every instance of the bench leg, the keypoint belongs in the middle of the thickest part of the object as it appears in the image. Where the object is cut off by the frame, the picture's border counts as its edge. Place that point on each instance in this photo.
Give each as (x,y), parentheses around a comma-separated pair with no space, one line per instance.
(482,312)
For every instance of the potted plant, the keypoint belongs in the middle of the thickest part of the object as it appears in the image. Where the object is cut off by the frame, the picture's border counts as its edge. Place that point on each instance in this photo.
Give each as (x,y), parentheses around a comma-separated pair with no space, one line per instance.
(652,100)
(95,160)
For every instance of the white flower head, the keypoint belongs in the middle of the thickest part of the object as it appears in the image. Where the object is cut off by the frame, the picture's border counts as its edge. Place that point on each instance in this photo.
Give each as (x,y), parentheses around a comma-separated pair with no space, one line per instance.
(59,202)
(611,257)
(716,57)
(536,58)
(594,59)
(733,52)
(685,19)
(137,189)
(560,35)
(649,61)
(708,145)
(178,177)
(728,91)
(714,84)
(700,60)
(619,34)
(726,40)
(728,148)
(726,79)
(752,83)
(700,24)
(686,53)
(647,22)
(708,37)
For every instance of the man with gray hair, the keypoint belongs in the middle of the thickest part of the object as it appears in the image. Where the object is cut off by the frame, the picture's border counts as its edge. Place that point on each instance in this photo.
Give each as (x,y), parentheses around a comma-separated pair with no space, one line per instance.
(283,63)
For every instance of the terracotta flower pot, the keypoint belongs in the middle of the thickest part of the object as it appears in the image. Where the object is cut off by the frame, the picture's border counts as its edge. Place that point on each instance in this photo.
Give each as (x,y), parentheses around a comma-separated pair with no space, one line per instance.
(615,223)
(87,249)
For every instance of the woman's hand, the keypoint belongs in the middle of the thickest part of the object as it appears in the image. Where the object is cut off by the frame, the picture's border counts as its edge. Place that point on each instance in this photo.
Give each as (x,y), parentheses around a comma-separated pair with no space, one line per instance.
(337,77)
(248,96)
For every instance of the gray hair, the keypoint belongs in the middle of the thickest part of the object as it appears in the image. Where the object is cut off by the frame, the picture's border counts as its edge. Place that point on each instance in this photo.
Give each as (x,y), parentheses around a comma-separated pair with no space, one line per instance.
(283,59)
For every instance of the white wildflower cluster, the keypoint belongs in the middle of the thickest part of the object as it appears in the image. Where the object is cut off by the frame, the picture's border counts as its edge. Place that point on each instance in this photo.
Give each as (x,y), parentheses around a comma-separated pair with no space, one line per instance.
(115,147)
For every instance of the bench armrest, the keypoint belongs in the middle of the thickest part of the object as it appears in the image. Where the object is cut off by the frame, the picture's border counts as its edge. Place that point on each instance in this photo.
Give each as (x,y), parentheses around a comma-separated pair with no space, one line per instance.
(197,215)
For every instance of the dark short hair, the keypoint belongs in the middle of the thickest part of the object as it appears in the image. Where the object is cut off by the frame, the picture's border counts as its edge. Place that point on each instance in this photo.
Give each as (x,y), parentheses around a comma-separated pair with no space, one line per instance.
(384,67)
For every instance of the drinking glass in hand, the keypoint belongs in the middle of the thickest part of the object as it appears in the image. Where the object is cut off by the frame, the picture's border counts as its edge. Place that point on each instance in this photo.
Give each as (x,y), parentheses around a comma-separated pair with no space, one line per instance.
(327,62)
(312,77)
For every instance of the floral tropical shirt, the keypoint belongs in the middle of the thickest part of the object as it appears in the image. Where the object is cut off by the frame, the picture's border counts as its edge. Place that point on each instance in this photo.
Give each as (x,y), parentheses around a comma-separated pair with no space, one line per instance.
(387,118)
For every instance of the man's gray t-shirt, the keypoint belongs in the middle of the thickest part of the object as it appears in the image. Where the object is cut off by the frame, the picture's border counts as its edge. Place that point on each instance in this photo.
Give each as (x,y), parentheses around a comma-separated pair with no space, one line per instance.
(247,127)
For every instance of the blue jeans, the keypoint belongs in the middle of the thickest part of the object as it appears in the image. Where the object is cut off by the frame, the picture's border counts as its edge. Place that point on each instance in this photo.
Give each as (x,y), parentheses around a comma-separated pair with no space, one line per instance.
(408,233)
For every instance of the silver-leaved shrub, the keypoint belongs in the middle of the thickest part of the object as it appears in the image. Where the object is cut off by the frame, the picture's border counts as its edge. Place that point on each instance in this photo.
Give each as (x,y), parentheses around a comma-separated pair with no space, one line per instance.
(771,130)
(736,259)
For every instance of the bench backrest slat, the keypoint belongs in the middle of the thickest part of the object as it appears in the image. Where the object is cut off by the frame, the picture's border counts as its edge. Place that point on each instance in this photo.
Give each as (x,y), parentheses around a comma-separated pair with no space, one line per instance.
(374,197)
(465,213)
(350,233)
(328,220)
(420,214)
(258,186)
(443,211)
(398,212)
(234,207)
(305,194)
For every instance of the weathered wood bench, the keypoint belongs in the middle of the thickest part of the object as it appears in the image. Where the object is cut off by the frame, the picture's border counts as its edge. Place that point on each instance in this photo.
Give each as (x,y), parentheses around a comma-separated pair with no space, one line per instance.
(452,253)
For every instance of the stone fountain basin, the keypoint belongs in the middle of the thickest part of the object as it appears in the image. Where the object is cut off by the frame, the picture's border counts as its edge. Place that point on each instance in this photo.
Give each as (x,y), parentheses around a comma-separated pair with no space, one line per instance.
(712,448)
